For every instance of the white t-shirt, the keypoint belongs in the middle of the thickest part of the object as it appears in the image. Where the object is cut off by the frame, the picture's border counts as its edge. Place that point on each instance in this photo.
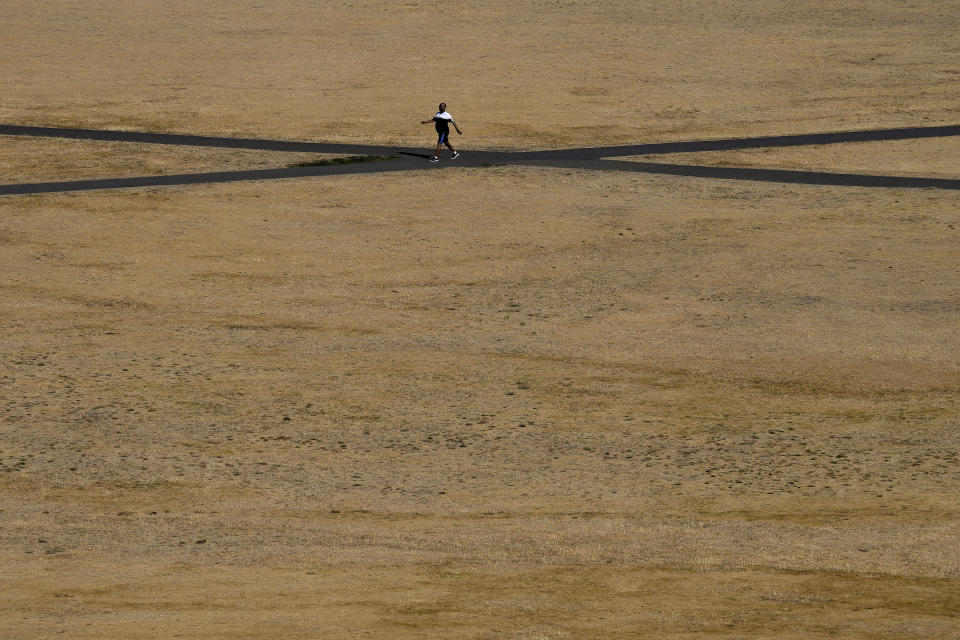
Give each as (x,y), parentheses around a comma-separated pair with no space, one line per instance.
(442,121)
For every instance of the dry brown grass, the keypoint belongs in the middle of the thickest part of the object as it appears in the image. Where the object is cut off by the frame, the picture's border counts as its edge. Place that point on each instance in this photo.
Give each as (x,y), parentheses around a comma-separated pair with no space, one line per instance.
(27,159)
(544,404)
(518,74)
(929,158)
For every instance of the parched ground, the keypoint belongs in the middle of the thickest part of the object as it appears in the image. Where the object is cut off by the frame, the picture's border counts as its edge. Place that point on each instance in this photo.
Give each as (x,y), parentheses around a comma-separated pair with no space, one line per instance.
(26,159)
(490,402)
(922,158)
(515,74)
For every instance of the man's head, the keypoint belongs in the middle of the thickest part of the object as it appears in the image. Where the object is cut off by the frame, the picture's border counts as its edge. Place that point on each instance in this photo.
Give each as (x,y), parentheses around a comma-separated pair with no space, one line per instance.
(442,107)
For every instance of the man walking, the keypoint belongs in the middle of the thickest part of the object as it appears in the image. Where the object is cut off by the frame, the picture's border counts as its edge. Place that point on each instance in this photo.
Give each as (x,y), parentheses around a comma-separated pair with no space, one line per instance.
(442,122)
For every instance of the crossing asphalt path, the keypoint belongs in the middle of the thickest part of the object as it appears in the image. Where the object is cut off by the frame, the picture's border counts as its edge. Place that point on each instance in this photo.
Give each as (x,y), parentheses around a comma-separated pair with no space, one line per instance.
(410,159)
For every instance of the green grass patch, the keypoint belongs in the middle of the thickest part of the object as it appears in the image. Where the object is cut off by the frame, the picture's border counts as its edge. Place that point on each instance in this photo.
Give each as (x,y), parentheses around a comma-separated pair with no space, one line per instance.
(326,162)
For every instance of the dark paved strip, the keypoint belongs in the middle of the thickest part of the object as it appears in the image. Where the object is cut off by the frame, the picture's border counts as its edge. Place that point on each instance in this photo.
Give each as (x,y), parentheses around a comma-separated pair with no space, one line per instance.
(207,178)
(761,175)
(198,141)
(726,144)
(763,142)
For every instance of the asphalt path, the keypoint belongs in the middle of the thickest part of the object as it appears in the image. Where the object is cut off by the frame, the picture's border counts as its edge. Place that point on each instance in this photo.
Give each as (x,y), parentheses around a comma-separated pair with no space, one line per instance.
(407,159)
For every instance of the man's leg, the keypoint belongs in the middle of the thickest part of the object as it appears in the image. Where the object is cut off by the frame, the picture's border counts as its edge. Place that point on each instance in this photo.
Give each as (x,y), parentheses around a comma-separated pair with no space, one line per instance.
(436,154)
(450,146)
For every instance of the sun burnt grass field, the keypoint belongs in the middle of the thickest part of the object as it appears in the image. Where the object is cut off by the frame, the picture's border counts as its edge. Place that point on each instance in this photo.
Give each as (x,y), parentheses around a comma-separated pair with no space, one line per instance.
(581,401)
(479,402)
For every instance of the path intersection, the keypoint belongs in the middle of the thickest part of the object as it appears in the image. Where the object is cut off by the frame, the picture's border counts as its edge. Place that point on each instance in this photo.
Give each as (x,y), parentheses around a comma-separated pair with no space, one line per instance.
(410,159)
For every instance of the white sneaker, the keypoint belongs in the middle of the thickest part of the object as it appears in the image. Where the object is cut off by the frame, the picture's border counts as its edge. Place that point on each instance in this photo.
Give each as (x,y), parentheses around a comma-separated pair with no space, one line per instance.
(456,154)
(434,159)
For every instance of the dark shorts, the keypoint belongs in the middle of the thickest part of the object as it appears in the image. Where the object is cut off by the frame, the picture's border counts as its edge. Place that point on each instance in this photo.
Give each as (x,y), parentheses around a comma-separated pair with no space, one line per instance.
(442,137)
